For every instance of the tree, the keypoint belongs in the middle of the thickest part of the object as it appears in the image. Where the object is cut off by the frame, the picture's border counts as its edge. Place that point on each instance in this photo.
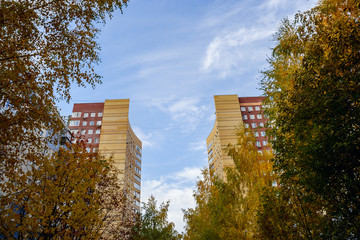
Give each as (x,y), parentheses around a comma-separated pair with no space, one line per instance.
(228,209)
(313,91)
(152,223)
(288,213)
(200,222)
(45,46)
(244,186)
(71,195)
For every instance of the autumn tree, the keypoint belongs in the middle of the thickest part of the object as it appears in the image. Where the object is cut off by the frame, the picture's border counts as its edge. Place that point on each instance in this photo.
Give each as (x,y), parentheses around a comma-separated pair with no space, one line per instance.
(289,213)
(313,91)
(71,195)
(228,209)
(45,46)
(152,223)
(200,222)
(244,185)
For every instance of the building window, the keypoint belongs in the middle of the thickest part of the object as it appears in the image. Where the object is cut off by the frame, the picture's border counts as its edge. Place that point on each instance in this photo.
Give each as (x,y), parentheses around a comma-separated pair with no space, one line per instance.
(74,123)
(83,132)
(137,186)
(84,123)
(92,115)
(98,123)
(91,123)
(136,202)
(211,166)
(261,124)
(210,152)
(75,131)
(137,170)
(257,108)
(262,133)
(259,116)
(97,131)
(137,178)
(136,194)
(246,125)
(210,144)
(90,131)
(245,117)
(211,159)
(137,163)
(138,149)
(252,116)
(243,109)
(253,125)
(89,140)
(76,114)
(96,140)
(256,134)
(138,155)
(86,115)
(100,114)
(265,143)
(258,144)
(250,109)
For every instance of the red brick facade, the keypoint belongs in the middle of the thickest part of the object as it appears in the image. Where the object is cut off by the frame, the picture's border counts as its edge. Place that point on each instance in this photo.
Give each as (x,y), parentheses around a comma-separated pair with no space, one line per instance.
(85,124)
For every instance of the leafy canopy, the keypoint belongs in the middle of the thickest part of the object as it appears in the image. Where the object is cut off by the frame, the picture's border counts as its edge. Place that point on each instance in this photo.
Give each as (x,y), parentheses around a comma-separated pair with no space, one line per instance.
(152,223)
(313,91)
(70,195)
(45,46)
(228,209)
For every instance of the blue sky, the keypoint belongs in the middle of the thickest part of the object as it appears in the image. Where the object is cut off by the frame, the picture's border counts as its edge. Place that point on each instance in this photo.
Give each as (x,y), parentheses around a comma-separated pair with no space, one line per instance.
(170,58)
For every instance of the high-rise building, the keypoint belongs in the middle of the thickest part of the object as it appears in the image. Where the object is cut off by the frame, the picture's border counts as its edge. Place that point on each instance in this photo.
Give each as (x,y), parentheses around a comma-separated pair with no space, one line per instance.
(231,112)
(105,127)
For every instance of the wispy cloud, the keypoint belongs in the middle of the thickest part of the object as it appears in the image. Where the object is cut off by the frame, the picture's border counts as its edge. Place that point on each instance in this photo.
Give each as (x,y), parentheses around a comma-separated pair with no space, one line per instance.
(230,50)
(151,139)
(241,32)
(185,113)
(198,146)
(177,187)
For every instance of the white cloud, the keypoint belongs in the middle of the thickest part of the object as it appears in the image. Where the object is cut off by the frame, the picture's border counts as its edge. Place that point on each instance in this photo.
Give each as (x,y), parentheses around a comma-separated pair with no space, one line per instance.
(230,51)
(152,139)
(186,113)
(272,5)
(177,187)
(151,58)
(224,12)
(198,146)
(187,174)
(241,32)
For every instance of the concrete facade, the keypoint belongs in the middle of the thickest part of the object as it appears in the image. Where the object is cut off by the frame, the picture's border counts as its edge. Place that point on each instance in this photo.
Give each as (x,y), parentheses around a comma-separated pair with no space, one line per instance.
(105,127)
(231,112)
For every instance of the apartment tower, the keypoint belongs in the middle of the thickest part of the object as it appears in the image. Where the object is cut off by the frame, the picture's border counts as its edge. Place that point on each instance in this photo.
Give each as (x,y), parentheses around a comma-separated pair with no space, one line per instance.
(232,111)
(105,127)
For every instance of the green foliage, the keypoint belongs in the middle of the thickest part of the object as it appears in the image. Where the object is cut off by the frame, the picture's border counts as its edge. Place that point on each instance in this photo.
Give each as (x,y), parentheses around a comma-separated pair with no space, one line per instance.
(286,213)
(313,92)
(45,46)
(244,185)
(71,195)
(228,209)
(200,221)
(152,223)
